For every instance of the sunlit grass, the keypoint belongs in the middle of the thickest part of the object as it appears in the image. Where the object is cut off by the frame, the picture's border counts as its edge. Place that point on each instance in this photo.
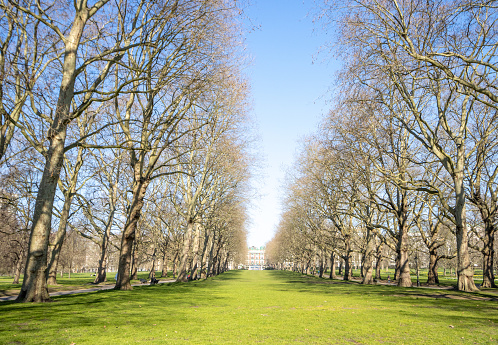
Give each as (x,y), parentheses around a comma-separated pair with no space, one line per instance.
(247,307)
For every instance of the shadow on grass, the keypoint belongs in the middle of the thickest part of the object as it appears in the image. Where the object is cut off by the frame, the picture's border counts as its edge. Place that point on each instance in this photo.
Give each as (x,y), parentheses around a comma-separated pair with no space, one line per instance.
(144,305)
(481,307)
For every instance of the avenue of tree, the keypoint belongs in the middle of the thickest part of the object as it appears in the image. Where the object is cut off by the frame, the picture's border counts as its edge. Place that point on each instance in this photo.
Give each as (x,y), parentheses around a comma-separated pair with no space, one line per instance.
(406,161)
(124,127)
(123,124)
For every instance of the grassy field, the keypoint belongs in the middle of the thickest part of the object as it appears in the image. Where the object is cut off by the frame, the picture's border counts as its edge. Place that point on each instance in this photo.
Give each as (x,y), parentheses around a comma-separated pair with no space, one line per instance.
(246,307)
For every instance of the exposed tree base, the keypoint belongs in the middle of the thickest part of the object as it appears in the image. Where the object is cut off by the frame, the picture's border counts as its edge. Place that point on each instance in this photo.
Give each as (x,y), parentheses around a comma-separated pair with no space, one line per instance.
(486,283)
(367,280)
(466,283)
(405,282)
(35,297)
(126,287)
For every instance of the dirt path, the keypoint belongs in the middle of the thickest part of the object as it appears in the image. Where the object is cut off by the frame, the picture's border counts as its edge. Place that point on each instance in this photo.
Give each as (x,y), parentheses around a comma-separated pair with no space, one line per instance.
(72,292)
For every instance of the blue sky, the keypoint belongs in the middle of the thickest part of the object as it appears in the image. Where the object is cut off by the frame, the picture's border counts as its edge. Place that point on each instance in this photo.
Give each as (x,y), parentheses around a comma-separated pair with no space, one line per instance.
(290,93)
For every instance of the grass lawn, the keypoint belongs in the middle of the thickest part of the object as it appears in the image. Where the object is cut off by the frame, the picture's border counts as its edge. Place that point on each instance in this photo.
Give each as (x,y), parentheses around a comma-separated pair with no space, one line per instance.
(246,307)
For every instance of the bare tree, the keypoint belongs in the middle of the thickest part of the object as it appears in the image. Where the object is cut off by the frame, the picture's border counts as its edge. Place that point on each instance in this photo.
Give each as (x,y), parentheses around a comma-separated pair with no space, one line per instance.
(82,65)
(405,56)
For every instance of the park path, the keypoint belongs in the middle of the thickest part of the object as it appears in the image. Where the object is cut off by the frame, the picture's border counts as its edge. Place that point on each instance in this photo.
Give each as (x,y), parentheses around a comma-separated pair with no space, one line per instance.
(72,292)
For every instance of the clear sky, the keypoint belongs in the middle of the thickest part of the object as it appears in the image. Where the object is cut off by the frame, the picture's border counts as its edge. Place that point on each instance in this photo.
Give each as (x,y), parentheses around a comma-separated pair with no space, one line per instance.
(290,96)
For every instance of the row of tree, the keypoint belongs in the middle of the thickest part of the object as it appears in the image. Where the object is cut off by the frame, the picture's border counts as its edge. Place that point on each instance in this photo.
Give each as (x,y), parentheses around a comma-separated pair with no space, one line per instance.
(122,118)
(407,157)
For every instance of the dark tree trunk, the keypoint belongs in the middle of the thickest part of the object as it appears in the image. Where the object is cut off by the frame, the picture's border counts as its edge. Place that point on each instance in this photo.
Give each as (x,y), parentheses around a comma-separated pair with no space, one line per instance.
(332,266)
(164,268)
(403,264)
(59,240)
(432,276)
(101,275)
(134,261)
(367,266)
(348,274)
(322,267)
(182,274)
(152,273)
(129,235)
(488,254)
(18,267)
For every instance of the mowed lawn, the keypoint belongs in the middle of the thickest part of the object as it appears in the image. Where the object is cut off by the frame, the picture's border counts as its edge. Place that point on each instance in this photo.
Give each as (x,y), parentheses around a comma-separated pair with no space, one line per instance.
(249,307)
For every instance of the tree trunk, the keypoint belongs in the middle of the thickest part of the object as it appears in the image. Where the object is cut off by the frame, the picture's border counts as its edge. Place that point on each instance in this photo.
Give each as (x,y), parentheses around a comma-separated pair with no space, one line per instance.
(322,267)
(488,253)
(175,264)
(134,261)
(378,262)
(18,267)
(152,273)
(332,266)
(129,235)
(210,258)
(204,261)
(101,275)
(403,264)
(59,238)
(432,276)
(34,286)
(347,259)
(182,274)
(195,252)
(164,268)
(367,266)
(465,271)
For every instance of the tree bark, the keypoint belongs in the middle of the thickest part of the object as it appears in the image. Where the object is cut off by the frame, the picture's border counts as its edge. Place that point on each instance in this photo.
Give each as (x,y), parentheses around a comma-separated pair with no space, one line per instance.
(204,259)
(129,235)
(403,264)
(322,266)
(34,287)
(432,276)
(347,259)
(368,259)
(195,252)
(134,261)
(59,238)
(164,268)
(378,261)
(488,254)
(465,271)
(332,266)
(18,267)
(182,274)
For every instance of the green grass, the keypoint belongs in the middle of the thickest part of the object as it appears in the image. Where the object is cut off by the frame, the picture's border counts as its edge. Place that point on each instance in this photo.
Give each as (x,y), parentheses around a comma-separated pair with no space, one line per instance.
(76,282)
(247,307)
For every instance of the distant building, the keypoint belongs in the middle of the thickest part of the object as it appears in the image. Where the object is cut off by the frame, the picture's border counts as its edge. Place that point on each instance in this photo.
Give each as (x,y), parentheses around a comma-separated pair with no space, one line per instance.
(256,258)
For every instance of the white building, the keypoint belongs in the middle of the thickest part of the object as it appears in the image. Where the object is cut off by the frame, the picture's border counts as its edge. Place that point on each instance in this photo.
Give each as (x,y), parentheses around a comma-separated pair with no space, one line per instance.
(256,258)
